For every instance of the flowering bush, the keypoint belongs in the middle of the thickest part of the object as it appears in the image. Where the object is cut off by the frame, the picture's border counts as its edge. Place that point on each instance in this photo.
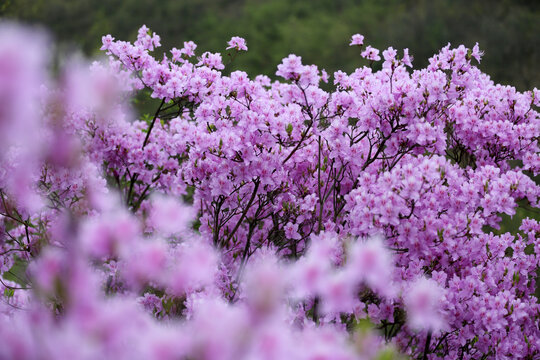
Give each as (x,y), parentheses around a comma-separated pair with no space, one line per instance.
(251,219)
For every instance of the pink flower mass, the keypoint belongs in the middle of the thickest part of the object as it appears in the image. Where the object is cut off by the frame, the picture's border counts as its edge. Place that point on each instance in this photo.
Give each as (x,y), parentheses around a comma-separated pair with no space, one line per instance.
(263,219)
(237,43)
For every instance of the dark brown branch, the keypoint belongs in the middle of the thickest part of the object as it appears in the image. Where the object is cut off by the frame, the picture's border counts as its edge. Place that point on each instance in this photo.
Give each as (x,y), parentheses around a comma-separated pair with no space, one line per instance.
(244,213)
(152,124)
(426,347)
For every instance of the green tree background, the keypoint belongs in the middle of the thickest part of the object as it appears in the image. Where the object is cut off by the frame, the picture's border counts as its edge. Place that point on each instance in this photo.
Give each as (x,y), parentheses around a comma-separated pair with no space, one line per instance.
(318,30)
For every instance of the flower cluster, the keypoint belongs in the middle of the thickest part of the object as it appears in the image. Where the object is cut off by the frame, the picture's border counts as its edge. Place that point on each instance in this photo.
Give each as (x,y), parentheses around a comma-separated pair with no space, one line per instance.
(259,219)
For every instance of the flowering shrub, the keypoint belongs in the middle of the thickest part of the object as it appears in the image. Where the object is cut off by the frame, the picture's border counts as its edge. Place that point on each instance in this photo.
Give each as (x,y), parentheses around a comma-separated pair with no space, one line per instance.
(344,224)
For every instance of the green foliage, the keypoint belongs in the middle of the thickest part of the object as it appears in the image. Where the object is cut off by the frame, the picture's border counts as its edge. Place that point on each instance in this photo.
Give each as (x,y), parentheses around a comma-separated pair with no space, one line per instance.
(17,273)
(317,30)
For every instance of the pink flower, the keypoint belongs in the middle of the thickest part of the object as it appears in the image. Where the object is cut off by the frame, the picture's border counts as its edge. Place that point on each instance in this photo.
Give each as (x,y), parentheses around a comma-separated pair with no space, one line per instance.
(237,43)
(109,234)
(357,39)
(371,262)
(189,48)
(476,53)
(147,262)
(290,68)
(168,216)
(407,59)
(107,41)
(265,286)
(371,53)
(338,293)
(291,231)
(213,61)
(195,268)
(423,301)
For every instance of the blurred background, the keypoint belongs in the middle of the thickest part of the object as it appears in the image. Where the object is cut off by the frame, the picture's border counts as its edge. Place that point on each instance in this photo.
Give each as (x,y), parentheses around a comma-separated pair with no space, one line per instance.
(318,30)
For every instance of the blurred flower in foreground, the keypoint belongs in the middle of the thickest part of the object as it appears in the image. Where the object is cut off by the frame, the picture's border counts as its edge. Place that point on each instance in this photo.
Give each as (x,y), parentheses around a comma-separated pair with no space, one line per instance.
(423,301)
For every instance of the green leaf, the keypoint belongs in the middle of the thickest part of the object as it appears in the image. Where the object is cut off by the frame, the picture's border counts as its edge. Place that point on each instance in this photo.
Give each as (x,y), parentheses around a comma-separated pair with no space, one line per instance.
(9,292)
(515,278)
(17,273)
(388,354)
(211,128)
(364,325)
(289,129)
(440,233)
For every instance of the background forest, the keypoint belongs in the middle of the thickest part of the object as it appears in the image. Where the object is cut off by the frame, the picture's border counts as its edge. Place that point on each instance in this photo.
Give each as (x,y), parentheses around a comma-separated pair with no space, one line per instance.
(318,30)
